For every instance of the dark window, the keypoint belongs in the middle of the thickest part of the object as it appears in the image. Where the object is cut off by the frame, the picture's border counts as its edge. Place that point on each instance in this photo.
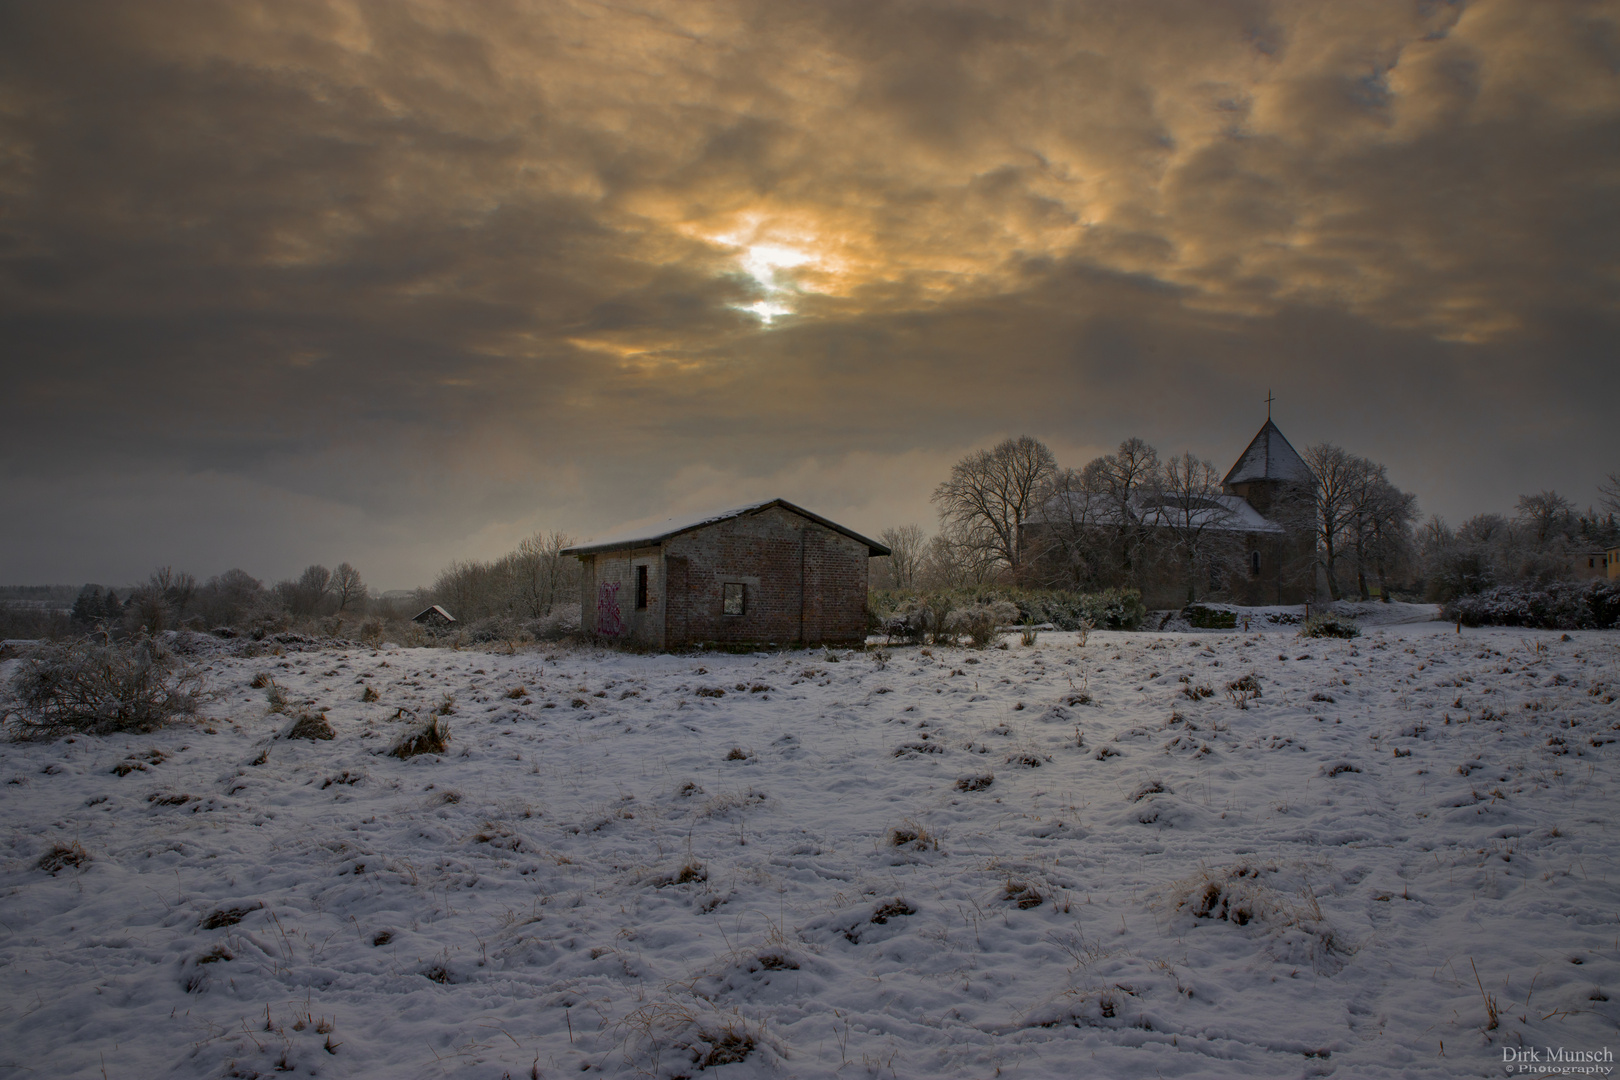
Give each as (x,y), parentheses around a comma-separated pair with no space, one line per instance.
(1254,562)
(733,597)
(641,586)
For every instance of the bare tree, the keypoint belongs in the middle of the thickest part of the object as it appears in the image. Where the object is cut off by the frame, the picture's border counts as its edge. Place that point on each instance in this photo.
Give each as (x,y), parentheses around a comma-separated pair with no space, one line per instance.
(990,494)
(1338,475)
(906,545)
(1610,490)
(1123,479)
(1547,514)
(540,571)
(1190,508)
(310,589)
(1379,525)
(953,560)
(347,586)
(1067,540)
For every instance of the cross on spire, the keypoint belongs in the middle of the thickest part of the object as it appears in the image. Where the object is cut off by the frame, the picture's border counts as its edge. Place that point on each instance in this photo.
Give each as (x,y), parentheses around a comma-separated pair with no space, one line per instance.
(1269,400)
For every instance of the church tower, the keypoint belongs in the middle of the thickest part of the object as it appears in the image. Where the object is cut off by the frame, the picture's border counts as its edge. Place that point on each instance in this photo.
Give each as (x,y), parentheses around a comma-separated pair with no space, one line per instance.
(1272,478)
(1270,472)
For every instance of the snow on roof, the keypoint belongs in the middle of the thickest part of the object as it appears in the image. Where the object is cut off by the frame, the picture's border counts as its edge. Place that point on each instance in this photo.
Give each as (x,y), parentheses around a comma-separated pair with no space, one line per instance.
(430,610)
(1270,457)
(1232,514)
(652,535)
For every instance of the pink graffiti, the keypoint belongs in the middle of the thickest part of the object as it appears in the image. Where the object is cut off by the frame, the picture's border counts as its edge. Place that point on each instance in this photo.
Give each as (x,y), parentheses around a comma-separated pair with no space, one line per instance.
(609,622)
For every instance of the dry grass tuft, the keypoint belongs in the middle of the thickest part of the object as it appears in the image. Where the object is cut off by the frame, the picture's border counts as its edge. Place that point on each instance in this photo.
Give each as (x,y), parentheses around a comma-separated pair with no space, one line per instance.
(311,726)
(62,856)
(913,835)
(434,738)
(1022,894)
(223,917)
(1244,690)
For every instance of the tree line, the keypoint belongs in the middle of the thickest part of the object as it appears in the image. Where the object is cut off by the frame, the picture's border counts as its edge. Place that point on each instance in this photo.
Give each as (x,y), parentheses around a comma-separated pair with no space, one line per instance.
(1011,515)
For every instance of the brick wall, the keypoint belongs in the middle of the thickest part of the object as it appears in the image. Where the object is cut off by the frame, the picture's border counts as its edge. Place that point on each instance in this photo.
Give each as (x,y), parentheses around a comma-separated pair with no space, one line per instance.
(608,597)
(801,580)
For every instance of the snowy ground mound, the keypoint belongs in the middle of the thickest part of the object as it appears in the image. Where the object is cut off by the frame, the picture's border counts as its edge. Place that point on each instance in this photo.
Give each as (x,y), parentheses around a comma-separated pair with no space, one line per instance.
(1121,860)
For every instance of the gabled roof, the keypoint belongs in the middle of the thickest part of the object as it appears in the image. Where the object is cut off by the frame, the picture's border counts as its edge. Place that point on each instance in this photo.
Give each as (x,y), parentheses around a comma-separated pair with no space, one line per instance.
(1270,457)
(654,535)
(425,612)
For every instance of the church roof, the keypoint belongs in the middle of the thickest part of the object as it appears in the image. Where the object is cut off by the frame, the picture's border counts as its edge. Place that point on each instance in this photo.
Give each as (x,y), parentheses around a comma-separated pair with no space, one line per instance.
(1270,457)
(1223,513)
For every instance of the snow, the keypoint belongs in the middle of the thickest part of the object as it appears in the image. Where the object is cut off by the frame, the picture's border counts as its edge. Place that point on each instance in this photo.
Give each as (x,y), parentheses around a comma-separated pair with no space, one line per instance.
(624,871)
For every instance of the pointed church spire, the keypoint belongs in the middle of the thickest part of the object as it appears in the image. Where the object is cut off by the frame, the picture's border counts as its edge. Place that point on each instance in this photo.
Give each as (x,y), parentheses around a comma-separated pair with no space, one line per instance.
(1269,457)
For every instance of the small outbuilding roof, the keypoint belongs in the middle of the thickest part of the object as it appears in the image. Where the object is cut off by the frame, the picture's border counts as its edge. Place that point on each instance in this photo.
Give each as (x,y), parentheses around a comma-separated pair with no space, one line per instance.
(432,614)
(656,534)
(1270,456)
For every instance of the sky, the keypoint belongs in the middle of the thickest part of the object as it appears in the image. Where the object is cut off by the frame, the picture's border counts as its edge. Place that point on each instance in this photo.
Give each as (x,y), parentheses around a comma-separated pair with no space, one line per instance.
(400,283)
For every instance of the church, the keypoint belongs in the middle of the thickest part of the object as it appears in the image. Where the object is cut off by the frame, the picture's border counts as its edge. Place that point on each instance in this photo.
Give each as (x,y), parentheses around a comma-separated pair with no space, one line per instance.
(1252,542)
(1274,482)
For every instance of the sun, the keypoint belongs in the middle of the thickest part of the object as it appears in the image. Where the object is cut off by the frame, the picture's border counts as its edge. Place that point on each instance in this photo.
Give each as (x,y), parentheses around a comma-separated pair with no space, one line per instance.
(766,263)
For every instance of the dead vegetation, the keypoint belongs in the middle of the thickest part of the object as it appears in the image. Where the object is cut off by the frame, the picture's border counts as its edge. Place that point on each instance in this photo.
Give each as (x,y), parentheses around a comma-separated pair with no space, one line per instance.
(431,738)
(311,726)
(95,687)
(61,856)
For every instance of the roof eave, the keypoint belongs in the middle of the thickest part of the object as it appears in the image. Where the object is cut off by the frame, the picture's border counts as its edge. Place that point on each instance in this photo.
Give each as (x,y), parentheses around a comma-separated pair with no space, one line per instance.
(873,548)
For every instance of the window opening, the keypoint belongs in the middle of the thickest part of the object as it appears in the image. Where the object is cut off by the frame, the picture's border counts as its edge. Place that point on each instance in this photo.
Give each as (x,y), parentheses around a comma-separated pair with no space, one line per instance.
(732,595)
(1254,562)
(641,586)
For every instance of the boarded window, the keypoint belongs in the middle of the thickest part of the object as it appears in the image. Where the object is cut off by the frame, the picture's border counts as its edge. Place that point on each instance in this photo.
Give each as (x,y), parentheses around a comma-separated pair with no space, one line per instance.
(733,597)
(641,586)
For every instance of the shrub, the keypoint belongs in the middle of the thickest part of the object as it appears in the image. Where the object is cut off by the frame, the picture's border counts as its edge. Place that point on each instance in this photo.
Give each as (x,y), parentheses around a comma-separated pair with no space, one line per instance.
(916,617)
(99,688)
(978,622)
(1329,625)
(1208,618)
(1591,605)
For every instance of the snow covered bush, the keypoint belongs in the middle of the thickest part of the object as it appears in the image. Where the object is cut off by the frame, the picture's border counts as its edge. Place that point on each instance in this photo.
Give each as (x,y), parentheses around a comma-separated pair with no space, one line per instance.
(978,622)
(1558,606)
(914,617)
(1329,625)
(909,622)
(101,688)
(563,622)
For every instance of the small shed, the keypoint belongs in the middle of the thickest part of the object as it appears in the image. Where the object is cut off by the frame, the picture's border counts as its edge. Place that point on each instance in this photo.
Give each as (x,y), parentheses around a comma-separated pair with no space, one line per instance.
(434,616)
(766,573)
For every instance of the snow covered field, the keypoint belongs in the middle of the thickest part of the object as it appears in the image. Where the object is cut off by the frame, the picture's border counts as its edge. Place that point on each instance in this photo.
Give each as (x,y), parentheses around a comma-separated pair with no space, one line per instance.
(1040,861)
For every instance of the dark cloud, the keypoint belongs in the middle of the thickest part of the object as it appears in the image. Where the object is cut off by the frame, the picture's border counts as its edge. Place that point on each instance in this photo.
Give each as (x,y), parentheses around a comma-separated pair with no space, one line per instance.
(399,282)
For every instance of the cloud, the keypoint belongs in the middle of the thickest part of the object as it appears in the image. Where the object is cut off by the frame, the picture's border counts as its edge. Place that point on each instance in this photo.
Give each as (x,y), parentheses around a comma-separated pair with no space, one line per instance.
(489,266)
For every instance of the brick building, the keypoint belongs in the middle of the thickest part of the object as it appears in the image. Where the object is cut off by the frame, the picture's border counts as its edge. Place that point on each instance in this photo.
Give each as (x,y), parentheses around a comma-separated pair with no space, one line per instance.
(766,573)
